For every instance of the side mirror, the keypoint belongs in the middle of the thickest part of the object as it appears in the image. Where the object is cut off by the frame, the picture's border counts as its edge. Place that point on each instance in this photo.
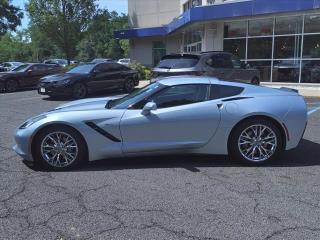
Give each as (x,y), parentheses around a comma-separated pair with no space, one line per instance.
(150,106)
(29,71)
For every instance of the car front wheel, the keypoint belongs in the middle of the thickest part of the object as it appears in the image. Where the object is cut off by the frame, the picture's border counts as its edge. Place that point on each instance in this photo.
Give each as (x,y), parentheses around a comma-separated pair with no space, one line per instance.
(255,141)
(59,148)
(79,91)
(12,85)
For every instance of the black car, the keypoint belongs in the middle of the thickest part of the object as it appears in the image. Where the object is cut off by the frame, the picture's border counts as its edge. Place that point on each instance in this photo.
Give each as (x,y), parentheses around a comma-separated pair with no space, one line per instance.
(88,78)
(221,65)
(26,75)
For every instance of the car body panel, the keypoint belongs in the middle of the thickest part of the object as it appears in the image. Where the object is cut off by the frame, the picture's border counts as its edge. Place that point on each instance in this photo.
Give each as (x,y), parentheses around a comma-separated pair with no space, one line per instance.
(32,74)
(105,79)
(202,128)
(232,73)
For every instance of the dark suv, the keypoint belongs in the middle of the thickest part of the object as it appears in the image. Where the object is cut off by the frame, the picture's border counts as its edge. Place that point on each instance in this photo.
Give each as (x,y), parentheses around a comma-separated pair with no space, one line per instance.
(221,65)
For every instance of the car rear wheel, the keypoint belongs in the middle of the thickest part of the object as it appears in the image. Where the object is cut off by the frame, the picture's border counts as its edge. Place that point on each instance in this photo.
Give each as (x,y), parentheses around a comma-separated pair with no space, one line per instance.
(12,85)
(79,91)
(129,85)
(255,141)
(59,148)
(255,81)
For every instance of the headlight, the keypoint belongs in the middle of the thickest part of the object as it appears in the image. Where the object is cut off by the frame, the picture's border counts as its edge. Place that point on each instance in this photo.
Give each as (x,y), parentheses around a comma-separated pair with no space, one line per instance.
(31,121)
(63,82)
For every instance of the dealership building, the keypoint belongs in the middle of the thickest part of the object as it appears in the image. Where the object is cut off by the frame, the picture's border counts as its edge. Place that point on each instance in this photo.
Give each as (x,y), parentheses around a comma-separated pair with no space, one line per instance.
(281,38)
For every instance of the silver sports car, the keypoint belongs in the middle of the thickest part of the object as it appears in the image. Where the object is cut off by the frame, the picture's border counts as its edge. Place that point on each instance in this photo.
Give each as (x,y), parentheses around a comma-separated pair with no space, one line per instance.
(195,115)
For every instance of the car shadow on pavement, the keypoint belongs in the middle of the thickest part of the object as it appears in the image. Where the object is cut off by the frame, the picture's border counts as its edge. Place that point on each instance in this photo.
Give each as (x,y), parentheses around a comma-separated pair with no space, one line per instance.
(307,154)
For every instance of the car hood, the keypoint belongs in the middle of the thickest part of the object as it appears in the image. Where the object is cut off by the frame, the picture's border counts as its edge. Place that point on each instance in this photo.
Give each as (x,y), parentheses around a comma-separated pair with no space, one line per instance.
(85,104)
(62,77)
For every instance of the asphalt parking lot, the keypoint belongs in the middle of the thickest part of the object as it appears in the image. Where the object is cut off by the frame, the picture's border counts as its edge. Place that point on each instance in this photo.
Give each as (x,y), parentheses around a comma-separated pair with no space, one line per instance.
(174,197)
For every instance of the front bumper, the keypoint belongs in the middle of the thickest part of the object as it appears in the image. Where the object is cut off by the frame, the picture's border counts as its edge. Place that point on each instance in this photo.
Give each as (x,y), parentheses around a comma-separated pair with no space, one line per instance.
(23,144)
(2,86)
(54,90)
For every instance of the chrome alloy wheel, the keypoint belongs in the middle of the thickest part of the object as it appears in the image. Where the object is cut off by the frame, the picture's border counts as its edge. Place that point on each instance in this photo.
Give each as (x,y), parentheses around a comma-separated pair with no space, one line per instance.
(257,143)
(59,149)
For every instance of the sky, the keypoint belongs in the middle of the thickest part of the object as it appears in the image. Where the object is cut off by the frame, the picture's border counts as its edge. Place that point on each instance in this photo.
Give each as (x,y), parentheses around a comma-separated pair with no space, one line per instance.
(120,6)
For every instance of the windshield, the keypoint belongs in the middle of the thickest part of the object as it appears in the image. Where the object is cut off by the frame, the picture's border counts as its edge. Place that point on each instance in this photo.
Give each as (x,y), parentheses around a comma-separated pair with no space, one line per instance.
(61,61)
(85,68)
(134,97)
(21,68)
(174,63)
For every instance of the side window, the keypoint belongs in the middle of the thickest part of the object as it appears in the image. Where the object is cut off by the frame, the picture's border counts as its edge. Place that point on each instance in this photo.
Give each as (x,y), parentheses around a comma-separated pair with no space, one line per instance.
(114,67)
(38,68)
(102,68)
(220,61)
(223,91)
(180,95)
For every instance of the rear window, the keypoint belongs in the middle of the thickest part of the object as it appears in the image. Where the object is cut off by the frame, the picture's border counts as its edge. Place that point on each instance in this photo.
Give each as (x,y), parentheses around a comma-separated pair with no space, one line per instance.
(223,91)
(178,62)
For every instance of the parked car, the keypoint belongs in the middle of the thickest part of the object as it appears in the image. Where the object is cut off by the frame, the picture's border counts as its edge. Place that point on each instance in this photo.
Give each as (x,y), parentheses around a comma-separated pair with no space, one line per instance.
(8,66)
(61,62)
(88,78)
(124,61)
(176,115)
(26,75)
(221,65)
(101,60)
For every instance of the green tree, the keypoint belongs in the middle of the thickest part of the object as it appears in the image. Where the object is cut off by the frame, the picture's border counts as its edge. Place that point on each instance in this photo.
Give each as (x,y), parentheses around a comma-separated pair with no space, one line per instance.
(10,16)
(64,22)
(99,40)
(16,47)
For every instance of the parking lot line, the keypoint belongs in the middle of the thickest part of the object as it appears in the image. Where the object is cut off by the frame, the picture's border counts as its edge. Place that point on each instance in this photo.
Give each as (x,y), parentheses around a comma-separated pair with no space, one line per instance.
(312,111)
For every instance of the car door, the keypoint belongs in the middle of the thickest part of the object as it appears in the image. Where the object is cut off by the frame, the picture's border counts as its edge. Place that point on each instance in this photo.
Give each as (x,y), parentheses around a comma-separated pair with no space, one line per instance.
(240,73)
(220,66)
(105,76)
(33,74)
(184,119)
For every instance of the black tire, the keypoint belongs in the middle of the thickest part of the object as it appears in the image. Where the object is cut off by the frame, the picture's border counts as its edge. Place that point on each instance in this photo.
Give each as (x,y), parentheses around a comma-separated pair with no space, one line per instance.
(79,91)
(81,155)
(12,85)
(255,81)
(237,148)
(129,85)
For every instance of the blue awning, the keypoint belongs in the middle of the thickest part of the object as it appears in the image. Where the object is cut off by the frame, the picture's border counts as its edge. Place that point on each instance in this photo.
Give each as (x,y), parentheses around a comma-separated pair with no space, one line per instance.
(247,8)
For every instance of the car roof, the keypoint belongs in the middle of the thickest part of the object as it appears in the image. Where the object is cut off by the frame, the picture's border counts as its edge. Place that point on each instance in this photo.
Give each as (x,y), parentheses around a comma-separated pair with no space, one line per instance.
(186,79)
(195,54)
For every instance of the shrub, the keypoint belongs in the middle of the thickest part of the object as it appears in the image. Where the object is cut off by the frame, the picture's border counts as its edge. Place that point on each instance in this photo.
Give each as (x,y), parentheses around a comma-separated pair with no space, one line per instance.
(144,72)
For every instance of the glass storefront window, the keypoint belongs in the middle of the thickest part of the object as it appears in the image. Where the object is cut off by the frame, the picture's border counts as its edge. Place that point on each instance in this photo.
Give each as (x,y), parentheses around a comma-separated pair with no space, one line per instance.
(310,72)
(287,47)
(311,46)
(260,48)
(312,24)
(264,68)
(158,51)
(274,45)
(235,29)
(261,27)
(288,25)
(236,46)
(286,71)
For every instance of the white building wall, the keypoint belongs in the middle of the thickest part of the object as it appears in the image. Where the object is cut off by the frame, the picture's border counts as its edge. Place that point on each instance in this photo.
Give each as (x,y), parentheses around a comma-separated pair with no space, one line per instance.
(152,13)
(141,50)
